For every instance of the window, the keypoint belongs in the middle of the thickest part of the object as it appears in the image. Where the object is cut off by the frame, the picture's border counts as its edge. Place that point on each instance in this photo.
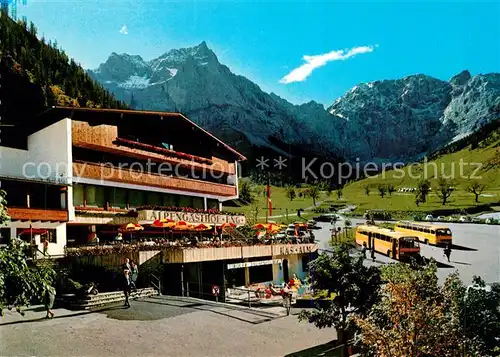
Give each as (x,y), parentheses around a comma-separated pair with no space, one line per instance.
(185,201)
(155,199)
(51,234)
(4,235)
(170,200)
(135,198)
(118,197)
(198,202)
(78,195)
(26,234)
(95,196)
(433,232)
(212,204)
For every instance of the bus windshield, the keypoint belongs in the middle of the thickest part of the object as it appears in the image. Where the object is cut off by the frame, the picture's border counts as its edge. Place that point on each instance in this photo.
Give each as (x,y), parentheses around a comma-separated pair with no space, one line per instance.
(408,243)
(443,232)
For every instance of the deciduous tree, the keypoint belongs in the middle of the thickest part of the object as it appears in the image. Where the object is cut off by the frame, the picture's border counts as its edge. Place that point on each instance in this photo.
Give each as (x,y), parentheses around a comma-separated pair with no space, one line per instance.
(476,188)
(313,191)
(21,281)
(416,316)
(382,189)
(444,190)
(290,192)
(354,286)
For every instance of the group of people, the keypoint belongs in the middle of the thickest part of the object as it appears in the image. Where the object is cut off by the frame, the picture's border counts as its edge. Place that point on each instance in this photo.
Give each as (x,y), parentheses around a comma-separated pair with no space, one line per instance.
(372,252)
(130,274)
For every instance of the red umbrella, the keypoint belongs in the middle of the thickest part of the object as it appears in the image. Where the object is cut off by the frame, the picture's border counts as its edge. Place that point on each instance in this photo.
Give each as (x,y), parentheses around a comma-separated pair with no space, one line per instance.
(162,223)
(229,224)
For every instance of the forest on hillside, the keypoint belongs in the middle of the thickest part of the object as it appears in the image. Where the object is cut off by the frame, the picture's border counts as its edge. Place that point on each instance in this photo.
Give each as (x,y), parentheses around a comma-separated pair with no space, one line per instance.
(36,74)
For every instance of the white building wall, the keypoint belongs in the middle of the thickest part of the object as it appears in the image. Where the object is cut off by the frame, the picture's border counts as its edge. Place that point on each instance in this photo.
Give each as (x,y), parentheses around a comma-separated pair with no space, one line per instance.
(48,158)
(54,248)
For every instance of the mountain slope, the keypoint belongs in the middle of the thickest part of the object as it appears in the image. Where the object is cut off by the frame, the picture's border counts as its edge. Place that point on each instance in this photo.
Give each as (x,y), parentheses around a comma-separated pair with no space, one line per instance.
(408,117)
(192,80)
(36,75)
(396,120)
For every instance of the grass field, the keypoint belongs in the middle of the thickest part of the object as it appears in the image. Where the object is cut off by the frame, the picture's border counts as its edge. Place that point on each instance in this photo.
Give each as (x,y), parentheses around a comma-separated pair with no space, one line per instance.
(481,164)
(280,205)
(463,167)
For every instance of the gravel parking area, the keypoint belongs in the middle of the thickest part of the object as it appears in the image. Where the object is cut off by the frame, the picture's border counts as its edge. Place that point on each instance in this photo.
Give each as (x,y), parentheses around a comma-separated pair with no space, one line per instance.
(476,250)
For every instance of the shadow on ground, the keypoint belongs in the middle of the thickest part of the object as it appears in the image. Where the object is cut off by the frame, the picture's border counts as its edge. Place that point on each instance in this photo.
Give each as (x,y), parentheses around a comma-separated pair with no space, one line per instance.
(329,349)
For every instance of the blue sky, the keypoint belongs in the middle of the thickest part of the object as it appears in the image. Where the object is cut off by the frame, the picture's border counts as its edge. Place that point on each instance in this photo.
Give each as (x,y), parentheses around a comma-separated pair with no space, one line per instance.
(265,41)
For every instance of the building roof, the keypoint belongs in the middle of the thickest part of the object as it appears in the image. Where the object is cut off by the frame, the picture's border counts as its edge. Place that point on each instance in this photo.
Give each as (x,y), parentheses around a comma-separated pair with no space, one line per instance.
(114,115)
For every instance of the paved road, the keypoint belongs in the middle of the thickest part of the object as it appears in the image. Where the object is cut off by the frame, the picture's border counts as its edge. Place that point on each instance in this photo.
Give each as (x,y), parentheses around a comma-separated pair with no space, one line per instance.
(477,251)
(161,326)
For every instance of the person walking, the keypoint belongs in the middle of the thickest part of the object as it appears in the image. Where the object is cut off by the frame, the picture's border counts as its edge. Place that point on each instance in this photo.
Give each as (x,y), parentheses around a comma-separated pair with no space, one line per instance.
(45,246)
(364,250)
(447,252)
(134,274)
(126,287)
(373,254)
(126,265)
(49,298)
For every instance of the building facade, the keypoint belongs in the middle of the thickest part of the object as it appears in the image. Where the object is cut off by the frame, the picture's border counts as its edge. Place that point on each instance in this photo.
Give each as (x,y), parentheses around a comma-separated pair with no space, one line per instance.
(86,172)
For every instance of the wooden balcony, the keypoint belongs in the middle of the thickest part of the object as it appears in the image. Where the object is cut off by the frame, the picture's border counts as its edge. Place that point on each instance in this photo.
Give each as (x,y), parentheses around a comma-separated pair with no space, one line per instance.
(126,176)
(35,214)
(104,138)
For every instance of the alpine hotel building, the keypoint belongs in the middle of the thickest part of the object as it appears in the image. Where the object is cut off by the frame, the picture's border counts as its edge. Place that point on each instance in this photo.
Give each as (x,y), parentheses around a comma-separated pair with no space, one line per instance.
(84,172)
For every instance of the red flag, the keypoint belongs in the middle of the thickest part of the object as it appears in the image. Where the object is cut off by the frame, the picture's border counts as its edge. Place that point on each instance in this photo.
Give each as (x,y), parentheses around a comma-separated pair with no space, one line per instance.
(269,200)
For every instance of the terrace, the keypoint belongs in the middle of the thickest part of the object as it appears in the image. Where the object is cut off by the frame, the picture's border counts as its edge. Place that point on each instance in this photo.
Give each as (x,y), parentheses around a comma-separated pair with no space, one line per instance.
(190,251)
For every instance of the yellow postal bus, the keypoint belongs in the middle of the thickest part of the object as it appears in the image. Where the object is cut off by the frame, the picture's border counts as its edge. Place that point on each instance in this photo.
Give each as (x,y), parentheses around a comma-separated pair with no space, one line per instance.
(396,245)
(427,233)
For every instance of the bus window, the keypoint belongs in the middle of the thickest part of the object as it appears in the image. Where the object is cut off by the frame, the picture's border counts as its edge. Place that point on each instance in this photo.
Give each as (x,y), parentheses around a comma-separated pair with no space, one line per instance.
(426,230)
(407,243)
(433,232)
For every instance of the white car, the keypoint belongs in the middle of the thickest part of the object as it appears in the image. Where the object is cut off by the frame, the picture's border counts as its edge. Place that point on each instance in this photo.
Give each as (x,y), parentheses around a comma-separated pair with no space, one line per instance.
(429,218)
(463,219)
(440,218)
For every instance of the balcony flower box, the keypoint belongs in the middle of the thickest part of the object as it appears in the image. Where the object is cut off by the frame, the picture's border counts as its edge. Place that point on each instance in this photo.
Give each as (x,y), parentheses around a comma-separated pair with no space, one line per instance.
(160,150)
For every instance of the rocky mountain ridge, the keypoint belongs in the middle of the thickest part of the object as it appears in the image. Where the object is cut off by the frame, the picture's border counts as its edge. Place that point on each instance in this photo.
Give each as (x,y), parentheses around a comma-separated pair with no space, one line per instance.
(389,119)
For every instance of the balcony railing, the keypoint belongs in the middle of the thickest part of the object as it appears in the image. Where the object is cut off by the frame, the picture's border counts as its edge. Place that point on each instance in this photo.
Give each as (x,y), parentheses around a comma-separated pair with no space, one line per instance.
(36,214)
(160,150)
(104,138)
(122,175)
(182,252)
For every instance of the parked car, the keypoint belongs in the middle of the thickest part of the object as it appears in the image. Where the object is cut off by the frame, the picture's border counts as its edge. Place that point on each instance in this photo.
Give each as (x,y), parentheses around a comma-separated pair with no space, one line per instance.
(429,218)
(463,219)
(440,218)
(322,218)
(311,224)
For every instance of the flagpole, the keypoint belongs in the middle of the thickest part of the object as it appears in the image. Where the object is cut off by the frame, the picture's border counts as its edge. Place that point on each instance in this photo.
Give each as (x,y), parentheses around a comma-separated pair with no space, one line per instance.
(267,196)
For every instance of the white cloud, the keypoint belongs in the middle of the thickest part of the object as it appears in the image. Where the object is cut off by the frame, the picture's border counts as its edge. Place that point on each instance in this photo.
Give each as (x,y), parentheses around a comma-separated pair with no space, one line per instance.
(300,74)
(124,30)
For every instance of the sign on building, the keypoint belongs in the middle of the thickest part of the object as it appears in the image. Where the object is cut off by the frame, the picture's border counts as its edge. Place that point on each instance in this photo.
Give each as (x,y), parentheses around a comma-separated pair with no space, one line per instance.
(254,264)
(151,215)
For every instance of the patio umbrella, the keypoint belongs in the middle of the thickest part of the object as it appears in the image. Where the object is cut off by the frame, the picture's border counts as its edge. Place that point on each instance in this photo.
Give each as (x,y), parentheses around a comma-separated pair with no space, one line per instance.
(131,227)
(163,223)
(228,225)
(202,227)
(182,226)
(273,227)
(260,226)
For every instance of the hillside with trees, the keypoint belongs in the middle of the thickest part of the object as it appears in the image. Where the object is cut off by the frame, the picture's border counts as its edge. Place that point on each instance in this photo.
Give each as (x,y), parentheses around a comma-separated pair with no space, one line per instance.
(36,74)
